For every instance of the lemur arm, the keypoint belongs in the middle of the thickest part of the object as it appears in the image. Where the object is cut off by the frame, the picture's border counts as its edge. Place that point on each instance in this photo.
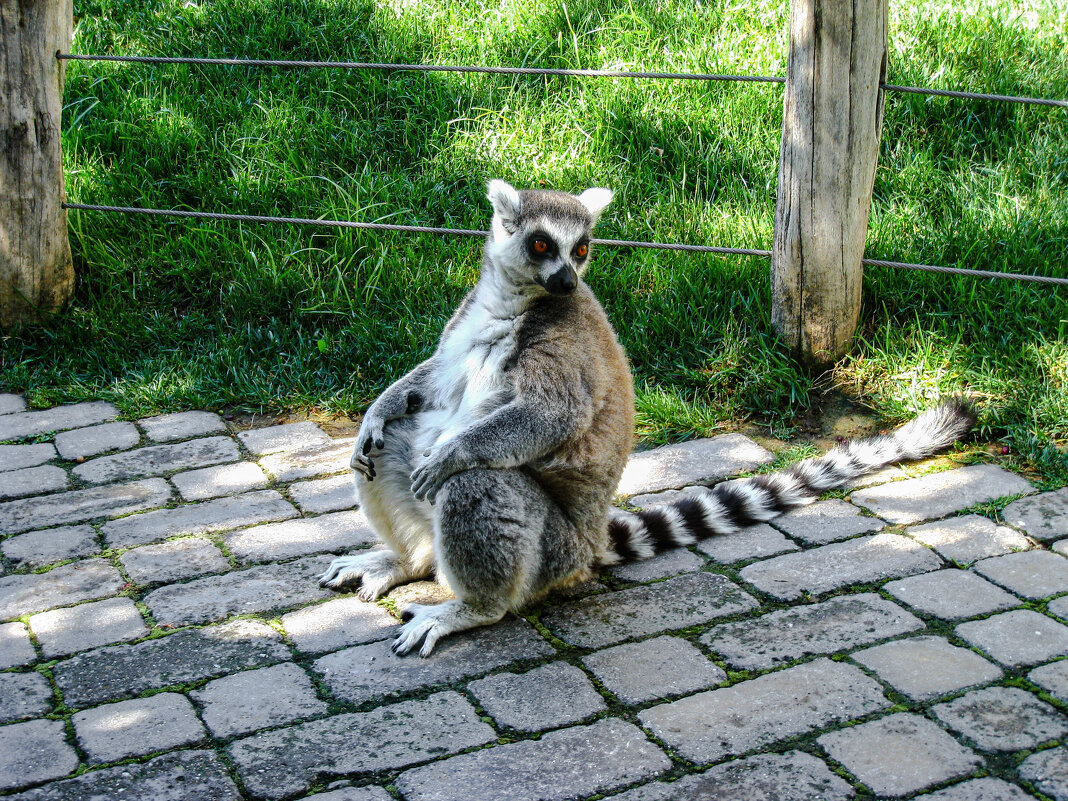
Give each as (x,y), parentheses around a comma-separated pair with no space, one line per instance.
(404,396)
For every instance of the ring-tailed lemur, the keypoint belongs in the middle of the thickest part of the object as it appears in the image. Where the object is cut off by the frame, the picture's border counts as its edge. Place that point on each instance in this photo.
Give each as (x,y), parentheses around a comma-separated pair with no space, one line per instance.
(493,464)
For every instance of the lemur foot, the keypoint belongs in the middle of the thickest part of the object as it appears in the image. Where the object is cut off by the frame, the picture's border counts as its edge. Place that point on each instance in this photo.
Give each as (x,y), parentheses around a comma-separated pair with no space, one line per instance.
(375,571)
(428,624)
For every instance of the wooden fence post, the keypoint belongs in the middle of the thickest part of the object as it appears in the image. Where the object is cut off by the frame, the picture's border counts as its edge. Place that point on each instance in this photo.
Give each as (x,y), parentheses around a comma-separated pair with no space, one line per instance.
(832,116)
(36,272)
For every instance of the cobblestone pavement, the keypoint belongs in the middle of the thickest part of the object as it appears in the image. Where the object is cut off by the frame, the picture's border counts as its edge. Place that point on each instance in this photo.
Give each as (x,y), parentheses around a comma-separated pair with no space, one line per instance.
(162,636)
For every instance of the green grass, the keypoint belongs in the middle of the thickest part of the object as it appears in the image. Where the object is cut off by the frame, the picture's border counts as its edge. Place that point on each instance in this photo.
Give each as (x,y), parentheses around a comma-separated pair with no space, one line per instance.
(176,314)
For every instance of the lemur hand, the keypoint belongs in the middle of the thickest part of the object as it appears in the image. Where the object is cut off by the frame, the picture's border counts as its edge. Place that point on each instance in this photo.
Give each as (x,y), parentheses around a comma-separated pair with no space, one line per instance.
(372,433)
(443,463)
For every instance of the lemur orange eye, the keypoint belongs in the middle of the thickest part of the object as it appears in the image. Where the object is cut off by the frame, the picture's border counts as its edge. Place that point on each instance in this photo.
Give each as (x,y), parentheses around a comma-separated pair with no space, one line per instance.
(540,246)
(582,250)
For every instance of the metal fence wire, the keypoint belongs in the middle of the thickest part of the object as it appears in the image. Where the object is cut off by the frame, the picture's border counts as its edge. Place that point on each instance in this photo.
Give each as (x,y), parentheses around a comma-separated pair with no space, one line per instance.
(535,71)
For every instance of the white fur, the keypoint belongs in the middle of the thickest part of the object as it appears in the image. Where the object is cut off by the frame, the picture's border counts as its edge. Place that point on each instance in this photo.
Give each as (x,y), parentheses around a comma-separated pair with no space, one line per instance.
(595,200)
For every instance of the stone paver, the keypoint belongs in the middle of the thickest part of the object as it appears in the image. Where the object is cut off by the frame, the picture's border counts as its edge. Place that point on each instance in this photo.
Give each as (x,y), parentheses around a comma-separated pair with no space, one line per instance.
(1031,574)
(173,561)
(157,460)
(1058,607)
(256,699)
(751,542)
(364,672)
(10,403)
(354,794)
(701,461)
(628,614)
(1061,547)
(764,710)
(668,563)
(939,494)
(60,418)
(141,726)
(16,457)
(1002,719)
(1053,678)
(278,764)
(24,593)
(181,776)
(23,696)
(121,671)
(286,437)
(1043,516)
(81,505)
(79,628)
(1019,637)
(951,594)
(1048,772)
(81,443)
(37,548)
(900,754)
(320,460)
(33,752)
(15,646)
(858,561)
(200,518)
(324,494)
(927,667)
(793,776)
(32,481)
(338,623)
(334,533)
(215,482)
(836,625)
(547,697)
(645,671)
(181,425)
(584,760)
(968,538)
(827,521)
(985,789)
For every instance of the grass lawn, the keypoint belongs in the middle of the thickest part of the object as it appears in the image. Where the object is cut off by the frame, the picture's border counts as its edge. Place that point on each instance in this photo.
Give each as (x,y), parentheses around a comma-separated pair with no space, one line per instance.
(173,314)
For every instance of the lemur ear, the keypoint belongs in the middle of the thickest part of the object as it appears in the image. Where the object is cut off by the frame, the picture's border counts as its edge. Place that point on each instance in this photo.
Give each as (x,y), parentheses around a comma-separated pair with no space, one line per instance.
(504,199)
(595,201)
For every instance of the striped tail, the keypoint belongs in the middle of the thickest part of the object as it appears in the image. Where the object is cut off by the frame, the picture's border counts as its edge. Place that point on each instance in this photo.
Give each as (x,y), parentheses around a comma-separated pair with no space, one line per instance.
(731,505)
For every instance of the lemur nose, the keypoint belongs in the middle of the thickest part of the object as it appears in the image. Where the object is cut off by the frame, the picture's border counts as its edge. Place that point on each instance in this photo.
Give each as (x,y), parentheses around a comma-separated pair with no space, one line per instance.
(563,281)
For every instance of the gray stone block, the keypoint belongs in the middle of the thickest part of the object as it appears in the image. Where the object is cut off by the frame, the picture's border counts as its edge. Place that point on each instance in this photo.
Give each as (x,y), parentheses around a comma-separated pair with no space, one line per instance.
(584,760)
(644,671)
(900,754)
(699,461)
(764,710)
(1058,607)
(320,460)
(353,794)
(1002,719)
(1061,547)
(370,671)
(11,403)
(669,563)
(751,542)
(927,667)
(181,776)
(863,560)
(85,442)
(332,533)
(122,671)
(839,624)
(969,538)
(201,518)
(81,505)
(239,592)
(287,437)
(29,424)
(32,481)
(338,623)
(215,482)
(24,696)
(43,547)
(940,494)
(985,789)
(158,460)
(1053,678)
(173,561)
(137,727)
(16,457)
(1019,637)
(826,521)
(256,699)
(79,628)
(793,776)
(1048,772)
(547,697)
(33,752)
(25,593)
(951,594)
(1032,574)
(324,495)
(181,425)
(278,764)
(1043,516)
(629,614)
(15,646)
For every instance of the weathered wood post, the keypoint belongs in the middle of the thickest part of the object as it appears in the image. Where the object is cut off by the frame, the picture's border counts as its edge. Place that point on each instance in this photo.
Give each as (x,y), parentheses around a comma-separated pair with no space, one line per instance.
(832,116)
(36,273)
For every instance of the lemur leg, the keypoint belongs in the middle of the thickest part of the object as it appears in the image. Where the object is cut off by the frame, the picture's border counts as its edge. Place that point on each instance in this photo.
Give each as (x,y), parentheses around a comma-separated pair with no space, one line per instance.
(491,528)
(404,525)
